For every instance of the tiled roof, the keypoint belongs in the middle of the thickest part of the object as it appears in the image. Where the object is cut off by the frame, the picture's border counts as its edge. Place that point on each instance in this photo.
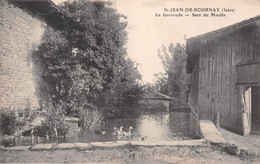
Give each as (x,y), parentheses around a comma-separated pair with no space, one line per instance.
(47,11)
(156,95)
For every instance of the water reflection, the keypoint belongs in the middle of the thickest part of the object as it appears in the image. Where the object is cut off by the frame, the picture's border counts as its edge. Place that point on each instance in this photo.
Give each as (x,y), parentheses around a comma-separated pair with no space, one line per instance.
(154,127)
(159,126)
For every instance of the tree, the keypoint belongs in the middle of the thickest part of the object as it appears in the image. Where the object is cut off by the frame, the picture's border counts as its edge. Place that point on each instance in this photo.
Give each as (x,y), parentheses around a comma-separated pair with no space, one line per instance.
(125,90)
(100,39)
(162,83)
(175,80)
(52,62)
(88,62)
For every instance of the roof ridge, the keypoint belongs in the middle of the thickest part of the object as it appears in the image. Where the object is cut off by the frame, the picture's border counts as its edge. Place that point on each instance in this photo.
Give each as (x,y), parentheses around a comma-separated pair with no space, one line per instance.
(163,96)
(224,29)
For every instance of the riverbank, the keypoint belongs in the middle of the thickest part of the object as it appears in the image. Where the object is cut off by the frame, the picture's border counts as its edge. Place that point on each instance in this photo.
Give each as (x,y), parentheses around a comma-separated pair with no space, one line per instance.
(212,149)
(93,145)
(127,154)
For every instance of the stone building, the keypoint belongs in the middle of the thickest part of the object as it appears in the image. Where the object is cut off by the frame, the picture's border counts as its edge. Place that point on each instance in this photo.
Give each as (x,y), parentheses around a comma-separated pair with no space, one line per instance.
(158,100)
(22,24)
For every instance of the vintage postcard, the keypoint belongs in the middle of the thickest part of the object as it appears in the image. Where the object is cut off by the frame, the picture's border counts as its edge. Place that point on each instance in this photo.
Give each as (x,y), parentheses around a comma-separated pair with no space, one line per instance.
(129,81)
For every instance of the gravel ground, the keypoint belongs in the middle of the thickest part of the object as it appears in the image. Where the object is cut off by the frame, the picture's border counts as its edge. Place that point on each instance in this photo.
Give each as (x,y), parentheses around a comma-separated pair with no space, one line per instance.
(129,154)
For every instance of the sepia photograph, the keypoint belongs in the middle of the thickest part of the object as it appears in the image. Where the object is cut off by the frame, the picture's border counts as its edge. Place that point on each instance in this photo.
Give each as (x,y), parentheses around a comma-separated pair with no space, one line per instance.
(130,81)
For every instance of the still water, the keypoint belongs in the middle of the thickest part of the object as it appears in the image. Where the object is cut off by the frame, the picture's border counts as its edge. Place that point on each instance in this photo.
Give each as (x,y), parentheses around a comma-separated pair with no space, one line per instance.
(159,126)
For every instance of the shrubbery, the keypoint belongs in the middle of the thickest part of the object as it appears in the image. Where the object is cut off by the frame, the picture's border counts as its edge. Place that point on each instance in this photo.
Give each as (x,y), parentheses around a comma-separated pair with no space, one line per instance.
(54,122)
(10,122)
(50,122)
(89,116)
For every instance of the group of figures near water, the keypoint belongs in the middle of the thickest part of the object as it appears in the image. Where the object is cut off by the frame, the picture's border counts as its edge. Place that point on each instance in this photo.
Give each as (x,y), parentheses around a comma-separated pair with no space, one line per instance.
(120,134)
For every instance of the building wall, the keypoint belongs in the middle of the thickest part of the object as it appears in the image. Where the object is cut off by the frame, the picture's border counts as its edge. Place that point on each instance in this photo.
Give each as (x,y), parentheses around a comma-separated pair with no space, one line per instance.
(20,33)
(193,99)
(216,69)
(256,108)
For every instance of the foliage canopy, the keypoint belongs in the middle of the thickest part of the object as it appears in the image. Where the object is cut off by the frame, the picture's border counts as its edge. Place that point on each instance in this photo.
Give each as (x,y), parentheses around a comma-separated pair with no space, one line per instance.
(175,80)
(87,63)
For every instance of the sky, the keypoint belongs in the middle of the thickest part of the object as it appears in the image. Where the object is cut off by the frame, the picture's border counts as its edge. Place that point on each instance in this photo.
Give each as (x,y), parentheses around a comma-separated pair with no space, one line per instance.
(148,32)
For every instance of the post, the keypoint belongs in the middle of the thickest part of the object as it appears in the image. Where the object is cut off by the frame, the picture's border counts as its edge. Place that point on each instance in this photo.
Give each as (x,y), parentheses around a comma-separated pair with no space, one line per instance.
(47,137)
(212,109)
(32,137)
(38,139)
(76,136)
(217,124)
(15,141)
(56,132)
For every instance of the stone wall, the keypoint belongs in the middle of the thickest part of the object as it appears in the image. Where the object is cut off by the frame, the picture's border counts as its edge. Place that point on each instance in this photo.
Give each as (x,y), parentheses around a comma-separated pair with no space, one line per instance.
(20,33)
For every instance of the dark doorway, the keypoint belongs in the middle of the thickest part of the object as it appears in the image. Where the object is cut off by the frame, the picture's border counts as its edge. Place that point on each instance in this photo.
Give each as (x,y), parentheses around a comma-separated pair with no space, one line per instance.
(255,110)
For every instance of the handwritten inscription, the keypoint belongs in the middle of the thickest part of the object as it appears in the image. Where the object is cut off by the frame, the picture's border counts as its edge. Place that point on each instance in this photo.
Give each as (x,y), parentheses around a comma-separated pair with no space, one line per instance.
(133,156)
(111,157)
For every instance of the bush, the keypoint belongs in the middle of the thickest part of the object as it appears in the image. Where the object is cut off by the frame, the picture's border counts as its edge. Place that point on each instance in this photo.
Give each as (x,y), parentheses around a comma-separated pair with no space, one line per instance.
(9,122)
(7,142)
(54,119)
(33,115)
(89,116)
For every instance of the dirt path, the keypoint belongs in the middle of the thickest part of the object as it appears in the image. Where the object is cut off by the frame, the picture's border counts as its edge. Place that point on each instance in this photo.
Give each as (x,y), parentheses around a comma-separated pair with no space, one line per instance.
(129,154)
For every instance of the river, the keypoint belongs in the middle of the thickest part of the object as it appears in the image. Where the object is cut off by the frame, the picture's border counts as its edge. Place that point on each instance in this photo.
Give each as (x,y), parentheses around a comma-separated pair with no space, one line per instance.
(155,127)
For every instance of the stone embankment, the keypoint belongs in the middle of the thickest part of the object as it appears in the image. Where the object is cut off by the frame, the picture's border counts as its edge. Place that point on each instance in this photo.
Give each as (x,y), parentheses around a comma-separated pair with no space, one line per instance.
(78,145)
(210,135)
